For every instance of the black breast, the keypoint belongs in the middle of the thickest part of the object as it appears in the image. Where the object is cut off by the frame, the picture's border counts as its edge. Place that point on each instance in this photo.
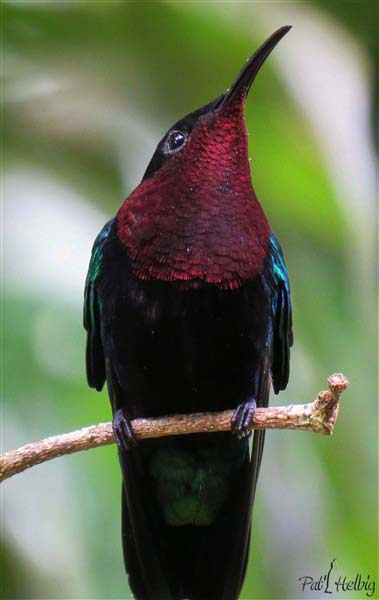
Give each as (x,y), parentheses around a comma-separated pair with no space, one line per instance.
(181,350)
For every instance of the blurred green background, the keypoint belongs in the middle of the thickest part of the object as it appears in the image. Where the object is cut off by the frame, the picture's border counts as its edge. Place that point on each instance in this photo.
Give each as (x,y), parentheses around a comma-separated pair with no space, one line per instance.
(88,89)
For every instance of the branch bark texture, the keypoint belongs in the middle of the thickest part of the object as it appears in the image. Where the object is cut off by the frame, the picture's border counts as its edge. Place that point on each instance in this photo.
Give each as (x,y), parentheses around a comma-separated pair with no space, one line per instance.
(319,416)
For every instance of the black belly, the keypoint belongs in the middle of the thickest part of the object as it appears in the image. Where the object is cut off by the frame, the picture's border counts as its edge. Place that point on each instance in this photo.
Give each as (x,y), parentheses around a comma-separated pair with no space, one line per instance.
(183,350)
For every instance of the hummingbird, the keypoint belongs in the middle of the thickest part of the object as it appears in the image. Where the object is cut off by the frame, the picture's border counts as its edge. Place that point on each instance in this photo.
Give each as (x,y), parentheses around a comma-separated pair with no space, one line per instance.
(187,309)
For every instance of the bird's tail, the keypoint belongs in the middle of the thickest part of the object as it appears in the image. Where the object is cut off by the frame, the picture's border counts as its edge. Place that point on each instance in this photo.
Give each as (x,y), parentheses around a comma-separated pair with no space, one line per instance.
(237,568)
(147,576)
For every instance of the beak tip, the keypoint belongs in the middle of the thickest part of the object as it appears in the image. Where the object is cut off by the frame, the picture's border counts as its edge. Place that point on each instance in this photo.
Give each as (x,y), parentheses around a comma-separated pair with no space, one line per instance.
(284,29)
(241,86)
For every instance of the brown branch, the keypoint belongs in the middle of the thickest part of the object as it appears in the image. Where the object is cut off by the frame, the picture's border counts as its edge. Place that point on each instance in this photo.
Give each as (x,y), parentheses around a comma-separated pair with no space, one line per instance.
(319,416)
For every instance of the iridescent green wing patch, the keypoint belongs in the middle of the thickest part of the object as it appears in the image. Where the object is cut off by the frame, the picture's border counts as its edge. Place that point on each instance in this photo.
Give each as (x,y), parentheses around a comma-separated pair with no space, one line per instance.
(92,310)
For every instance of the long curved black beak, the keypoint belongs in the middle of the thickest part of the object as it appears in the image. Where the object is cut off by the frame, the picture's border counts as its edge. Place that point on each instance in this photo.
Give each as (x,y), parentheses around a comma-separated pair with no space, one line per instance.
(242,84)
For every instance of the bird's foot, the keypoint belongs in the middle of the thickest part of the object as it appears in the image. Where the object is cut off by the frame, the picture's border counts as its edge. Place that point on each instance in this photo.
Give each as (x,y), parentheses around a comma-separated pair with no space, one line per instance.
(122,430)
(242,419)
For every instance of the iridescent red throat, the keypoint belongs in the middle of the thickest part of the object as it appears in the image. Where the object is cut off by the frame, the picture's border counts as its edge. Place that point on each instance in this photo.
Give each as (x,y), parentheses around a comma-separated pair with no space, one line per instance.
(198,219)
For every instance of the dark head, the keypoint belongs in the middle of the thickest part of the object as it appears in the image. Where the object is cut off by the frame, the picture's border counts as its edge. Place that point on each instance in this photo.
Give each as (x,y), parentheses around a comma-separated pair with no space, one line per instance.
(184,132)
(196,204)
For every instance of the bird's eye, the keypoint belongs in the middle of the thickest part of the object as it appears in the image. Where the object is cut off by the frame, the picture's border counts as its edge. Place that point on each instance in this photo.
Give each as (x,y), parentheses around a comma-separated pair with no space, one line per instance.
(175,141)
